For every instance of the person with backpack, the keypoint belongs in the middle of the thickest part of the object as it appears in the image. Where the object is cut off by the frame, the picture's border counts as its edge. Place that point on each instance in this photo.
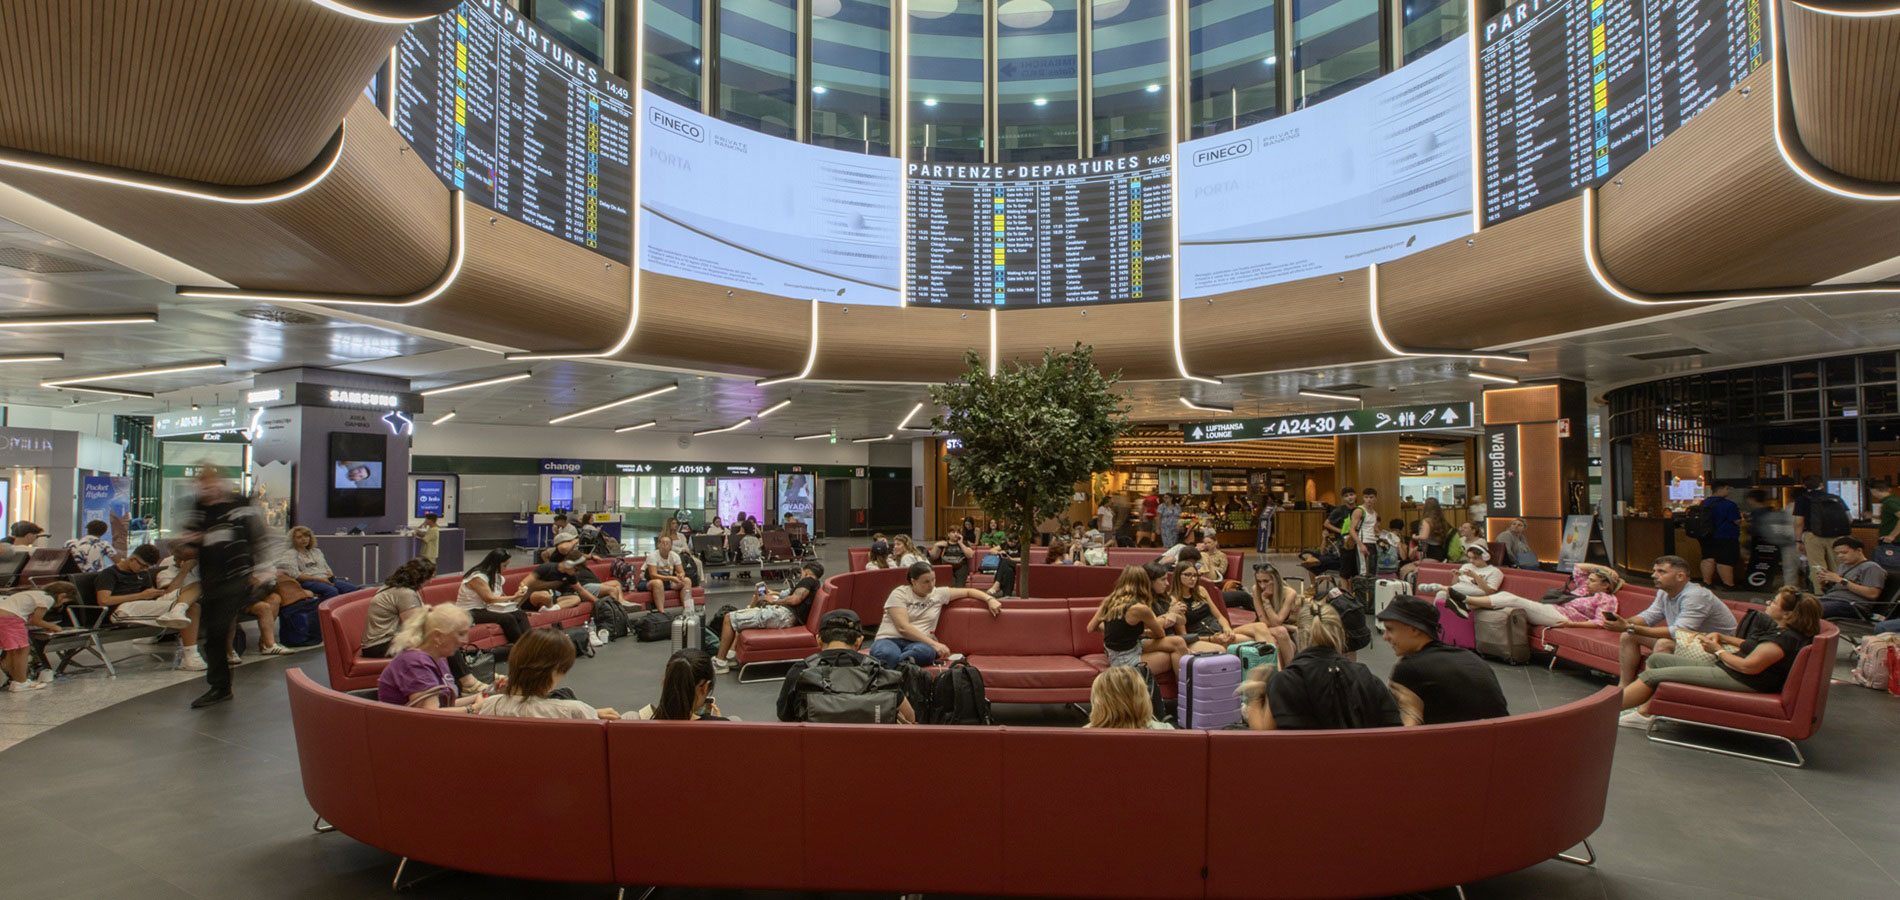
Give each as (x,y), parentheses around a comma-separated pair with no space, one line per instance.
(840,635)
(1820,517)
(770,609)
(1319,688)
(909,630)
(1716,524)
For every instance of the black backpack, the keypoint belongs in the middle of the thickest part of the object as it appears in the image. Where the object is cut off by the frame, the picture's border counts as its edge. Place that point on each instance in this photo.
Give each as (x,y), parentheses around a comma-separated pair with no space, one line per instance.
(957,697)
(609,615)
(654,626)
(919,689)
(1827,515)
(861,694)
(582,636)
(1698,522)
(1352,614)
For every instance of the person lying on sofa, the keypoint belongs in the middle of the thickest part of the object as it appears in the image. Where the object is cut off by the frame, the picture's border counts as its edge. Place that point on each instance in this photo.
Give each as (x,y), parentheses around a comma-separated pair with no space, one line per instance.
(1586,610)
(770,610)
(1727,663)
(840,636)
(1118,698)
(1476,578)
(418,673)
(909,629)
(1435,682)
(1319,688)
(540,659)
(1679,605)
(553,585)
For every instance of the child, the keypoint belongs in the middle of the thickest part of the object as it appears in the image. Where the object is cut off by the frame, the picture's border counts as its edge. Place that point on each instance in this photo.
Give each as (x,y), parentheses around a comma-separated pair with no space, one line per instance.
(17,611)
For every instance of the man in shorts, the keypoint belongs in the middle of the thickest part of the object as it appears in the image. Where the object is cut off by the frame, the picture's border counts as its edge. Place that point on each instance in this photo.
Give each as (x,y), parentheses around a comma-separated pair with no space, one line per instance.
(665,571)
(554,585)
(126,589)
(770,609)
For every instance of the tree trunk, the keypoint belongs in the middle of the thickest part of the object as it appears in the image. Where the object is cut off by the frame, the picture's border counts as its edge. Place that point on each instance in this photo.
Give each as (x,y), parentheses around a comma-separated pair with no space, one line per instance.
(1022,566)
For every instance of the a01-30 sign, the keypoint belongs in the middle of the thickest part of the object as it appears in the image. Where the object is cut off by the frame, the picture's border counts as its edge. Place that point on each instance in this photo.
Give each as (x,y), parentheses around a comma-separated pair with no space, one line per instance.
(1430,417)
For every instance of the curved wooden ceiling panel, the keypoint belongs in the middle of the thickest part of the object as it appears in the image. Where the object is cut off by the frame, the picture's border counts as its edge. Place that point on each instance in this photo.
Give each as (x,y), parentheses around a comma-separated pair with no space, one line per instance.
(1854,132)
(233,92)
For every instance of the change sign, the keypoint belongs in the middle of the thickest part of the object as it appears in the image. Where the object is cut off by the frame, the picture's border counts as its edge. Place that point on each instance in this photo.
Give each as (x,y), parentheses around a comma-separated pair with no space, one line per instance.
(1428,417)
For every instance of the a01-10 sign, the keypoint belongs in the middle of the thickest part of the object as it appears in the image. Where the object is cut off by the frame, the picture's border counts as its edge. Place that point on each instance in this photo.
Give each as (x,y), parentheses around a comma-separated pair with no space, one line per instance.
(1428,417)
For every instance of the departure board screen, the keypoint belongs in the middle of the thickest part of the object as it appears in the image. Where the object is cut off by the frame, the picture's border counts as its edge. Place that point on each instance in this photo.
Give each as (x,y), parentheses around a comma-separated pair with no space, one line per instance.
(1041,233)
(1571,91)
(524,126)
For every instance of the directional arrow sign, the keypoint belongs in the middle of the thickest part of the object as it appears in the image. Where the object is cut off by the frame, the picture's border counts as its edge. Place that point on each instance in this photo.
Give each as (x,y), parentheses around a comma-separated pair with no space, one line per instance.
(1388,420)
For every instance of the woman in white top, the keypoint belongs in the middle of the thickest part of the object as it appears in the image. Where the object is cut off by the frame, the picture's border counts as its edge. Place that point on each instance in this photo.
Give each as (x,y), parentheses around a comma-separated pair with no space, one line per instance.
(481,595)
(715,527)
(904,551)
(1476,578)
(536,666)
(880,554)
(306,562)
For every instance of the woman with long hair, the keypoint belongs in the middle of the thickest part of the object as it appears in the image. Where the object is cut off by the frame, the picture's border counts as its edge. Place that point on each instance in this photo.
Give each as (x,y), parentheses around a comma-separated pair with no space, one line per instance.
(481,595)
(686,689)
(1133,630)
(312,571)
(1205,629)
(904,552)
(880,554)
(1319,688)
(1434,530)
(418,673)
(396,605)
(1118,698)
(541,658)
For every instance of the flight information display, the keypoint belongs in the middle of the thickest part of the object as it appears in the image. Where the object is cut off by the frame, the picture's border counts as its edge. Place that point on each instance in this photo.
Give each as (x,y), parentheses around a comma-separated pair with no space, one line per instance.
(1040,233)
(1571,91)
(524,126)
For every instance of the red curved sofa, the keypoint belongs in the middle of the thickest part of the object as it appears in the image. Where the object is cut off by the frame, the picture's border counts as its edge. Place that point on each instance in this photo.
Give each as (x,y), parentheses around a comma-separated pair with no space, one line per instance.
(1793,715)
(342,618)
(598,817)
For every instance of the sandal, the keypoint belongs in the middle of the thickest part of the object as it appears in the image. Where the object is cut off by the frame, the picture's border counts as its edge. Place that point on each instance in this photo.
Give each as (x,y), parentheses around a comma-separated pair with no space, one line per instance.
(276,650)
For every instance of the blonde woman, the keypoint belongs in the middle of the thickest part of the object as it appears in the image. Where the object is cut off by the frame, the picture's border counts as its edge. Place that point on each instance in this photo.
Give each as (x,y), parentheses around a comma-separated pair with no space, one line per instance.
(904,552)
(1132,631)
(418,673)
(1320,688)
(1118,698)
(306,562)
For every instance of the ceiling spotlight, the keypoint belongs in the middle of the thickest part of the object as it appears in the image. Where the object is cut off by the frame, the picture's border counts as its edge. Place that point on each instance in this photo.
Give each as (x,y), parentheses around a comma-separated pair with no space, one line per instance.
(1487,376)
(475,384)
(819,89)
(620,402)
(1041,101)
(447,416)
(873,438)
(1323,395)
(774,408)
(1154,89)
(930,101)
(647,424)
(581,14)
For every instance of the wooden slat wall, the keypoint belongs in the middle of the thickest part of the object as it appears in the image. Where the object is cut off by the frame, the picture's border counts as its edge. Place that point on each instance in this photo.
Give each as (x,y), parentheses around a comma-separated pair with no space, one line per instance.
(225,91)
(1854,132)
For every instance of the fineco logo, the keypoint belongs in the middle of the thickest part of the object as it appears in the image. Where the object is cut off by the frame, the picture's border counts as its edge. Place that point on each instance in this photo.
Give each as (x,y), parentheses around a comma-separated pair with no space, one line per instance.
(1222,153)
(677,125)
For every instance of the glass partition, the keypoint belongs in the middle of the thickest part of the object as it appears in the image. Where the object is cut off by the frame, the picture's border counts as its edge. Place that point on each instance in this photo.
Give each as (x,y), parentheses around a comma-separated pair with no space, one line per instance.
(1233,65)
(946,80)
(1430,23)
(1128,60)
(673,50)
(758,65)
(1036,80)
(851,75)
(1335,48)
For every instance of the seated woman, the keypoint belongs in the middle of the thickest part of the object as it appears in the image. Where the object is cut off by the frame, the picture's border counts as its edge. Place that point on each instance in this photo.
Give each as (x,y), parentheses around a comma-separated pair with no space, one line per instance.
(1585,610)
(1060,553)
(1133,631)
(481,595)
(1319,688)
(1276,603)
(904,552)
(398,604)
(311,570)
(880,554)
(686,689)
(1118,698)
(715,527)
(1476,578)
(1758,665)
(1205,629)
(419,673)
(266,599)
(540,659)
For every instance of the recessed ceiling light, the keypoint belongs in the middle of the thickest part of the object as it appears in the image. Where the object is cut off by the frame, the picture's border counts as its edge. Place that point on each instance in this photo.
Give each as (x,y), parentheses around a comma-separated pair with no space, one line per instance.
(872,438)
(1041,101)
(581,14)
(62,321)
(733,427)
(819,89)
(1205,407)
(32,357)
(1154,89)
(812,437)
(930,101)
(774,408)
(139,373)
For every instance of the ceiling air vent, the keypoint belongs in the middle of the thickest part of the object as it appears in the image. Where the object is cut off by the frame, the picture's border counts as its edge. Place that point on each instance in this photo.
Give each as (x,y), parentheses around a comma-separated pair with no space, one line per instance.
(1669,354)
(41,263)
(277,316)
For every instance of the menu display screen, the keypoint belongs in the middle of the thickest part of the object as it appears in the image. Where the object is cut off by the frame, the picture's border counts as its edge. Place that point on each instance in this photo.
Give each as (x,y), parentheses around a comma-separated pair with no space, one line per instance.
(1571,91)
(528,129)
(1042,233)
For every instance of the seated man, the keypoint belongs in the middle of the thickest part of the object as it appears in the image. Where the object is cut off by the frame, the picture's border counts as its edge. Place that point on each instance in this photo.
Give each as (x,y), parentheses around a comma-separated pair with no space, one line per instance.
(909,630)
(93,552)
(584,575)
(1857,583)
(769,609)
(554,585)
(20,538)
(1435,682)
(664,570)
(840,634)
(793,529)
(1680,604)
(126,589)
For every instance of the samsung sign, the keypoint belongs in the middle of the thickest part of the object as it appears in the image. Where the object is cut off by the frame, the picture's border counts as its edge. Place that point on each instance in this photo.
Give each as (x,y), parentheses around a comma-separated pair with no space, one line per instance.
(333,396)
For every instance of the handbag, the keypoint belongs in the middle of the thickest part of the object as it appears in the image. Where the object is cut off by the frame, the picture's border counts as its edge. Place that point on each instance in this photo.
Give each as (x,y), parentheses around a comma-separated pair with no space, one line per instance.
(1687,647)
(1557,595)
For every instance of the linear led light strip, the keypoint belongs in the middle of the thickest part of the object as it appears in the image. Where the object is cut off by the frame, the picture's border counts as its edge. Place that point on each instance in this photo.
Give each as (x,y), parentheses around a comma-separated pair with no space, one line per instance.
(32,357)
(647,424)
(196,366)
(647,395)
(1378,331)
(1327,395)
(74,321)
(1205,408)
(352,12)
(1174,192)
(993,359)
(733,427)
(905,424)
(449,389)
(870,439)
(310,177)
(774,408)
(447,416)
(458,254)
(812,437)
(811,355)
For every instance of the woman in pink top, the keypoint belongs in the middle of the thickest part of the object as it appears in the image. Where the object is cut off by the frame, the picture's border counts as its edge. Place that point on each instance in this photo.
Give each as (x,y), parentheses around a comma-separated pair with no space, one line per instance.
(1584,611)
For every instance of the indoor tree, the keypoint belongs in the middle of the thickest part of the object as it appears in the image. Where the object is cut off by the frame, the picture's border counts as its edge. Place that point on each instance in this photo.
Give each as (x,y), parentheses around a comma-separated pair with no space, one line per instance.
(1031,432)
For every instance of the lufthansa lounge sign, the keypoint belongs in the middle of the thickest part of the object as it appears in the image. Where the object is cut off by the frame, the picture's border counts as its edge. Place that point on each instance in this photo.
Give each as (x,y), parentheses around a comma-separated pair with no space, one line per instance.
(1391,420)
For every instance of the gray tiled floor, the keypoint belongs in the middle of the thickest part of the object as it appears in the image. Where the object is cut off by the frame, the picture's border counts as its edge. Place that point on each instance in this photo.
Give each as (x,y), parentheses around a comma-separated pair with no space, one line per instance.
(141,797)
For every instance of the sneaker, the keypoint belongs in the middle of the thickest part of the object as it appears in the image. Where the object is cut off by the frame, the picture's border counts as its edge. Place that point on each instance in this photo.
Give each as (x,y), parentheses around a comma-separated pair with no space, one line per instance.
(1632,718)
(210,697)
(720,665)
(234,659)
(1455,602)
(598,638)
(191,662)
(277,650)
(154,639)
(179,616)
(20,687)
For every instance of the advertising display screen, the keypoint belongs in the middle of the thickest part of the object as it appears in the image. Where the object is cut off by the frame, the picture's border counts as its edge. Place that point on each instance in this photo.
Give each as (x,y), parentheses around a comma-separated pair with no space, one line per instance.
(741,495)
(795,498)
(1366,177)
(561,494)
(724,204)
(503,111)
(1041,233)
(429,498)
(1571,91)
(356,480)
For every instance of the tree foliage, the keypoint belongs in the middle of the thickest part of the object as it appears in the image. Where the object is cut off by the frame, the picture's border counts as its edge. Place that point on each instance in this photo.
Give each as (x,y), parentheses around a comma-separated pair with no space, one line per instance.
(1030,434)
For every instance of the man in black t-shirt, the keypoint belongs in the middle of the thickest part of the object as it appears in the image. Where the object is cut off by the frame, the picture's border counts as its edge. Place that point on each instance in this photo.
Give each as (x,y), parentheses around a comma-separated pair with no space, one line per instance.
(233,546)
(769,609)
(1337,529)
(1436,682)
(555,586)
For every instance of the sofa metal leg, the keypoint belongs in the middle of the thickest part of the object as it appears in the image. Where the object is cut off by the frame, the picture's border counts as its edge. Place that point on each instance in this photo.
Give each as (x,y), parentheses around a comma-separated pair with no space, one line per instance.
(643,894)
(1798,762)
(399,885)
(322,827)
(910,897)
(1460,889)
(746,667)
(1589,857)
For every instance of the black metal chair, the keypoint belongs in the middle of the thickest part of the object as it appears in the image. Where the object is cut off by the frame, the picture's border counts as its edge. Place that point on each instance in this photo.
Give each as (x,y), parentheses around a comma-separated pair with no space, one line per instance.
(1859,624)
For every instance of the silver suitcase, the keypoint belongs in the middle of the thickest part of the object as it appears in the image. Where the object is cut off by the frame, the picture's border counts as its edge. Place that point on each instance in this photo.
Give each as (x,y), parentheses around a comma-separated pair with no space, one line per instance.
(688,632)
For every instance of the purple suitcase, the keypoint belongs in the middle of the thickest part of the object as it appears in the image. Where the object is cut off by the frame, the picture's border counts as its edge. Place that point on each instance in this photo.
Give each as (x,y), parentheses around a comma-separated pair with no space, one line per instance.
(1454,630)
(1204,690)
